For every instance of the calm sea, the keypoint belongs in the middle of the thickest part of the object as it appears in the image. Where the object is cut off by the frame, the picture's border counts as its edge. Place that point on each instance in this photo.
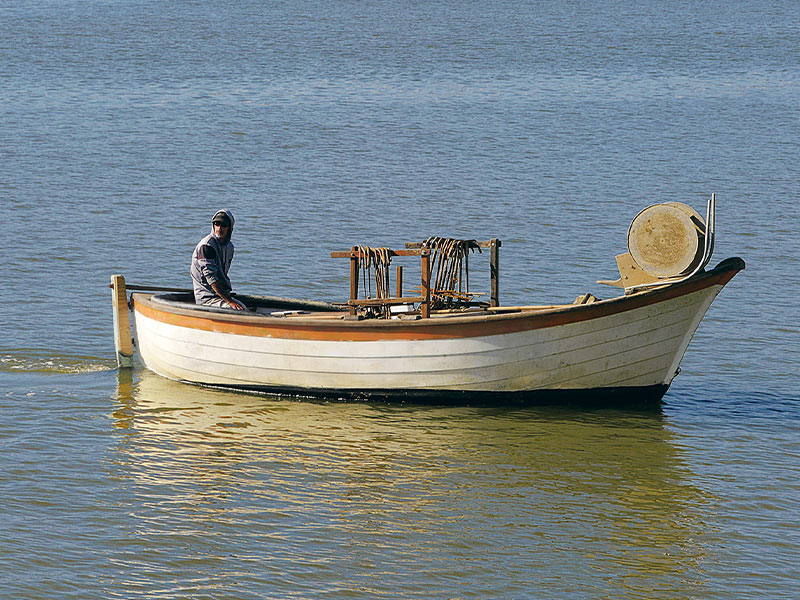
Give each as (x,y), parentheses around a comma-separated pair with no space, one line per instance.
(124,125)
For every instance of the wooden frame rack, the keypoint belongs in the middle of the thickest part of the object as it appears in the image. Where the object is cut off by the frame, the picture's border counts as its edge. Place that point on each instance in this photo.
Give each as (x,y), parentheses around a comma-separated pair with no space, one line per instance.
(415,249)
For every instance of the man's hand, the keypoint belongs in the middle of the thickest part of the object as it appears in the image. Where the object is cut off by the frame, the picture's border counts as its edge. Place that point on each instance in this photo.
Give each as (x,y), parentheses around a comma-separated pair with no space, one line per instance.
(235,305)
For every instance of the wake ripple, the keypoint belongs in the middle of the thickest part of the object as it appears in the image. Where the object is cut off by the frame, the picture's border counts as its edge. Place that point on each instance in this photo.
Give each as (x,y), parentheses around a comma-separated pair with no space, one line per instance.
(26,360)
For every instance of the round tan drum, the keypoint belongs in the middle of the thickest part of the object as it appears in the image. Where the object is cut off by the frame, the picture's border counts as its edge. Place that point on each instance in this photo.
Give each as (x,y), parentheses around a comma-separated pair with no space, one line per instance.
(667,239)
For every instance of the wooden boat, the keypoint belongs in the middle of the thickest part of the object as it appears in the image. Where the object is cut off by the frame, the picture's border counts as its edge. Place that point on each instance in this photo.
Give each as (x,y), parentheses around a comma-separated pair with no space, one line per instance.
(442,344)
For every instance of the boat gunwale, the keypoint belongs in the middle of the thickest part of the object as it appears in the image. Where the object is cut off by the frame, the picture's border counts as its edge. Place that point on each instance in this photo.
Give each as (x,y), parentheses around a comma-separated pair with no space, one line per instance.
(454,325)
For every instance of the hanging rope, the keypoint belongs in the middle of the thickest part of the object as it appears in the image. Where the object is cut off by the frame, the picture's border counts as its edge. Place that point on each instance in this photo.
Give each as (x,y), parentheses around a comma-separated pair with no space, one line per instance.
(450,264)
(381,258)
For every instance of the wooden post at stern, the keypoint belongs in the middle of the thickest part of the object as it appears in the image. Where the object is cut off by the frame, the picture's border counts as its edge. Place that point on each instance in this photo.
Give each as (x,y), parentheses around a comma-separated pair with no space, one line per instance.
(122,322)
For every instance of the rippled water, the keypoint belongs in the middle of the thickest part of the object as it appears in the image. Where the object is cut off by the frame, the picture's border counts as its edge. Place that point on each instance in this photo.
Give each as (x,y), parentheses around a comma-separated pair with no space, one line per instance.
(162,490)
(323,125)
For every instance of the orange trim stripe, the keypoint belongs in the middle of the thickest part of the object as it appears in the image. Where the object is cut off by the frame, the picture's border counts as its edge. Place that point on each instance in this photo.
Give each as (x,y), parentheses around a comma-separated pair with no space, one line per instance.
(299,328)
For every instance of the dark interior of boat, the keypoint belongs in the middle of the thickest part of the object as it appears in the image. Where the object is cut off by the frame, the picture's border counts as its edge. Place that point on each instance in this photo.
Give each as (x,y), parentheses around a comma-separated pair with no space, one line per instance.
(266,305)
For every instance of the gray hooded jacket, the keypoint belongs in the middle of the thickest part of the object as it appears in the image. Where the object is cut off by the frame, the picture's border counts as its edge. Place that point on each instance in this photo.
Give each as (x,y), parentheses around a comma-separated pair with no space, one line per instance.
(211,260)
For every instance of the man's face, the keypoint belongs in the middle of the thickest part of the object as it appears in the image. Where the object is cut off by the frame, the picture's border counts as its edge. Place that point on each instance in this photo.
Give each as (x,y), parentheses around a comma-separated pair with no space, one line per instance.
(221,230)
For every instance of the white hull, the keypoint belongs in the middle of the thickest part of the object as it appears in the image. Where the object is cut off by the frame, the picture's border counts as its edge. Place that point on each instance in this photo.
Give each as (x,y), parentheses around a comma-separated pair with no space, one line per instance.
(619,343)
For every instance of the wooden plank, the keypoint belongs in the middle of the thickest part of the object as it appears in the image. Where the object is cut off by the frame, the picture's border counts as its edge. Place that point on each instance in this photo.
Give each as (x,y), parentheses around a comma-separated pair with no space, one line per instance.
(496,310)
(425,270)
(630,273)
(386,301)
(488,244)
(353,278)
(357,254)
(122,324)
(462,311)
(152,288)
(399,282)
(494,267)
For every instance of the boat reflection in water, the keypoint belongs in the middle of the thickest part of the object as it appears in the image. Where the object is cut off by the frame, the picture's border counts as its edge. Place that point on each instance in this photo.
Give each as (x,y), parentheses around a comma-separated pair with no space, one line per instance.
(363,495)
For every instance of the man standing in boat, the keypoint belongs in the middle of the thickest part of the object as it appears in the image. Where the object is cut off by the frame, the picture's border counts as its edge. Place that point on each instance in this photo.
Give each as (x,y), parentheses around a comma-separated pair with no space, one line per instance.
(210,263)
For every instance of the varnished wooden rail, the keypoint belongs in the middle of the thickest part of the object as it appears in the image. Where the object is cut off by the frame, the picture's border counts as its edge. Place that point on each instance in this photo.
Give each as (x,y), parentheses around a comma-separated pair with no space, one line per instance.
(415,249)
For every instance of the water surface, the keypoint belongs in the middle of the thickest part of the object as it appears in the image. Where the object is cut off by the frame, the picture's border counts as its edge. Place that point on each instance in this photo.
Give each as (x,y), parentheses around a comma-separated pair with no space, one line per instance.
(126,125)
